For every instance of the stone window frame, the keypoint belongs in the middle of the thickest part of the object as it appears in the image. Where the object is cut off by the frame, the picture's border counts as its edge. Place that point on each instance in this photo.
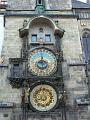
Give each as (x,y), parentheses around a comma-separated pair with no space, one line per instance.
(48,35)
(33,35)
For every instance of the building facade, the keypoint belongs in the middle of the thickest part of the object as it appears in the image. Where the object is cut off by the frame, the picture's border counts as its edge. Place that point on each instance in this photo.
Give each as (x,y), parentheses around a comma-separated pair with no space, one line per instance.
(44,71)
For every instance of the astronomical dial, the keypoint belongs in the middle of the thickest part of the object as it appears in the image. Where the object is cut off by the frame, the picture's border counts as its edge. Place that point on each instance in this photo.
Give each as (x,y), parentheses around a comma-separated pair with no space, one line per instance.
(43,97)
(42,62)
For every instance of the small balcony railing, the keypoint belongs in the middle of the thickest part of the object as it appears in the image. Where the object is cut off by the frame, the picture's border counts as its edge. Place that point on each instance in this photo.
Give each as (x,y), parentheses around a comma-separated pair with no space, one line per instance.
(16,73)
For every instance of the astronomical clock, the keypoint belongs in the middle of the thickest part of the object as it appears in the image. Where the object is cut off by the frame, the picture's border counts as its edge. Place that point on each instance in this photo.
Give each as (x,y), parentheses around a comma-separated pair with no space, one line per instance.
(39,69)
(42,62)
(45,92)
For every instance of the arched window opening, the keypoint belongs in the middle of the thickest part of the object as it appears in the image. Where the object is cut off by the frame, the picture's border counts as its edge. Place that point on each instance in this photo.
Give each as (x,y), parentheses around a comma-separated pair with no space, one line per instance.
(86,35)
(39,1)
(86,45)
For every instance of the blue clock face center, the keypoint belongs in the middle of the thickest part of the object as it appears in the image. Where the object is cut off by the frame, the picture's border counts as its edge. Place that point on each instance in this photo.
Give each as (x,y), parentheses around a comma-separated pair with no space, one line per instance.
(42,64)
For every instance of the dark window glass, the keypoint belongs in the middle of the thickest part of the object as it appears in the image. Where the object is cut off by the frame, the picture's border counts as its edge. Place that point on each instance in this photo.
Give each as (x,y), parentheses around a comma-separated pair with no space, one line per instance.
(86,45)
(39,1)
(16,66)
(48,38)
(34,38)
(5,115)
(16,70)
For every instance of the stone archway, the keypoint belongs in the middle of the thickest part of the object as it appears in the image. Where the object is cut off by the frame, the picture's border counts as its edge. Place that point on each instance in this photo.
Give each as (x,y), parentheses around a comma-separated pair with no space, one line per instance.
(24,31)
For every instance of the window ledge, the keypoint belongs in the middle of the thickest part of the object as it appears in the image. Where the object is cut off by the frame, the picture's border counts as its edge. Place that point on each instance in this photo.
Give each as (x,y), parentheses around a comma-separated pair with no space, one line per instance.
(37,43)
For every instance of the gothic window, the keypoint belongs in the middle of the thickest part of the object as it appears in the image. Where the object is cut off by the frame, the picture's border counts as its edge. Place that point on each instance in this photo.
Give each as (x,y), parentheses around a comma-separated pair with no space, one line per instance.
(47,38)
(16,70)
(86,45)
(34,38)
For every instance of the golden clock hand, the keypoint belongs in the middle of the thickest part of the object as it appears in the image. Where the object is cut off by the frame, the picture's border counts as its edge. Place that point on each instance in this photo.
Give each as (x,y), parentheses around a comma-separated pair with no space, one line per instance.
(41,56)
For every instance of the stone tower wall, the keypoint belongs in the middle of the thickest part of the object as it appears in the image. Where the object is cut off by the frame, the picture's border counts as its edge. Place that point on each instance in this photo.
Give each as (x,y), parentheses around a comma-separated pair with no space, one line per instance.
(30,4)
(74,77)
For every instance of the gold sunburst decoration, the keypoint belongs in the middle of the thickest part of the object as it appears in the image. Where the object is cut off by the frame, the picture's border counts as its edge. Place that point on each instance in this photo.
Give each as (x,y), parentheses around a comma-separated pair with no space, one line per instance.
(43,97)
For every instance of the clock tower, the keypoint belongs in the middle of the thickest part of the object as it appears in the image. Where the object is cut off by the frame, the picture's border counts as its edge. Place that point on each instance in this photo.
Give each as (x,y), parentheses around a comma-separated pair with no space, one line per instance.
(43,74)
(41,38)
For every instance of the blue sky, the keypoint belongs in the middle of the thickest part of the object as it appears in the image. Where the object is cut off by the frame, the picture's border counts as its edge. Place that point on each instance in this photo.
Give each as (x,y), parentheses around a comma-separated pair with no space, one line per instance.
(83,0)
